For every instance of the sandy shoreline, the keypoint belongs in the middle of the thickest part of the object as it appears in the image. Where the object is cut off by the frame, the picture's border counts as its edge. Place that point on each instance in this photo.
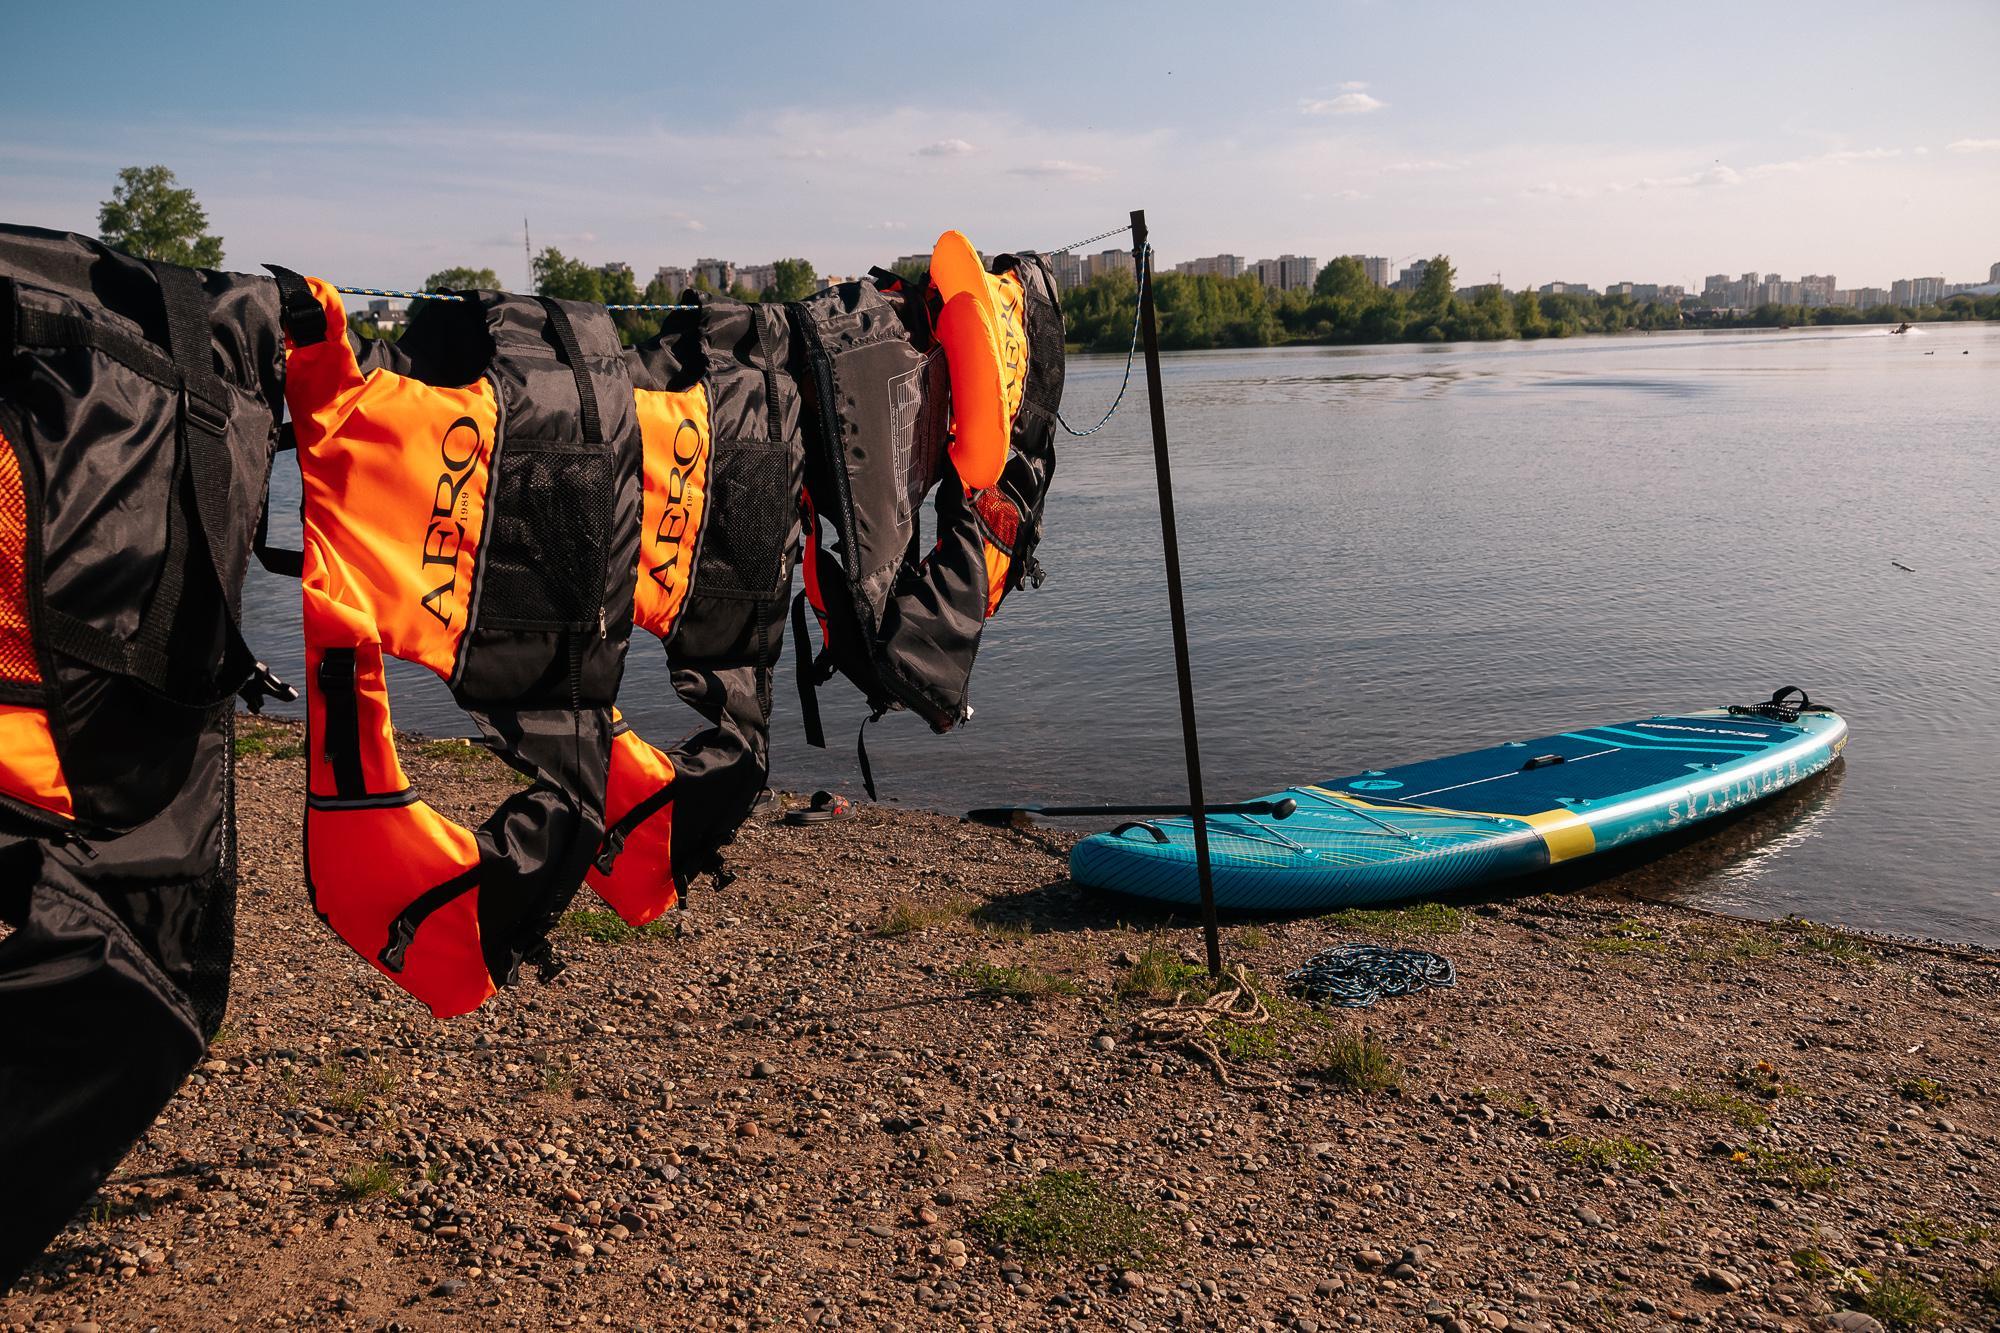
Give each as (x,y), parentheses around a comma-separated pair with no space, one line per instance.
(801,1104)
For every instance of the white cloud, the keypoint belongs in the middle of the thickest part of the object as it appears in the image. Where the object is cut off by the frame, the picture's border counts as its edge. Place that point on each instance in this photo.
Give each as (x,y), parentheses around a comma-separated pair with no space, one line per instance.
(946,148)
(1353,86)
(1974,145)
(1353,103)
(1057,168)
(1423,166)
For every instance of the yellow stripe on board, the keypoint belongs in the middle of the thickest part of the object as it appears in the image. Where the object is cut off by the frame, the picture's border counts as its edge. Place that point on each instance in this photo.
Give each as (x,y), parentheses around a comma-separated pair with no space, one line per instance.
(1564,831)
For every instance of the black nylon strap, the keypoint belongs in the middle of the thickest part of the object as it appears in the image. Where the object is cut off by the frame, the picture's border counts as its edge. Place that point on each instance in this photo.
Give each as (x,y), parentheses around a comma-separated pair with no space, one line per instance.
(1045,332)
(403,930)
(861,754)
(205,412)
(342,741)
(572,354)
(804,675)
(45,328)
(615,836)
(304,317)
(280,560)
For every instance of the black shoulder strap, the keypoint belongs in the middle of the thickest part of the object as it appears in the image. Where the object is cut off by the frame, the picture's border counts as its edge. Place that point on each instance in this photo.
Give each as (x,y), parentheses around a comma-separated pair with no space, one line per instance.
(280,560)
(805,676)
(341,742)
(572,354)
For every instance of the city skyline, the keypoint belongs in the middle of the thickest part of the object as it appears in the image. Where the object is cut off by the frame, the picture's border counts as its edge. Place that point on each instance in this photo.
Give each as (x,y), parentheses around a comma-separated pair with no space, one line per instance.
(1558,142)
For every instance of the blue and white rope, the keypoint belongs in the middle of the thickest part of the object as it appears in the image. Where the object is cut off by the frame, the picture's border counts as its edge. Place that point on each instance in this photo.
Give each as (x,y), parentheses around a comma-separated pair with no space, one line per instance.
(1355,976)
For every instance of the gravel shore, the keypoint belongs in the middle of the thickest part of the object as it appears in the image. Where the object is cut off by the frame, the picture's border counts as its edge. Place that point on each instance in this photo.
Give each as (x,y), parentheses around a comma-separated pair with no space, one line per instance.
(896,1075)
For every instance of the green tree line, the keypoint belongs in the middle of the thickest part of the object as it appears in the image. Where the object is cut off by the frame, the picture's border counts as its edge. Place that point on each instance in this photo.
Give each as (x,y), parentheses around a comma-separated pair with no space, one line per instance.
(1343,306)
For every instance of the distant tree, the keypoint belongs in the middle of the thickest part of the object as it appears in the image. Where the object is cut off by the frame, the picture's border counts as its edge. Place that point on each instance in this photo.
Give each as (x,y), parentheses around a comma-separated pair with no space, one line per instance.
(1434,293)
(740,292)
(1344,280)
(658,293)
(557,275)
(147,216)
(462,279)
(910,270)
(617,287)
(794,280)
(1528,320)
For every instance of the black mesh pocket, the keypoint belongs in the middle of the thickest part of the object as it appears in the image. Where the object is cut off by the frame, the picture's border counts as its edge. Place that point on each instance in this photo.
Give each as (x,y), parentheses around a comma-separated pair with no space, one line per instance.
(749,521)
(544,548)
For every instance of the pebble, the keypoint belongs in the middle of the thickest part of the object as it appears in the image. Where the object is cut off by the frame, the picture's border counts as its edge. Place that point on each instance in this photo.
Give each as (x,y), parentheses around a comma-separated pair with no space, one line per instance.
(1105,1042)
(1719,1279)
(1854,1321)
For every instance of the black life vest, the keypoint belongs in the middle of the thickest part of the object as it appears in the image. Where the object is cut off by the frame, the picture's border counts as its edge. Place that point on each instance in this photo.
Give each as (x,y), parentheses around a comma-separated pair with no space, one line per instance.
(732,362)
(138,404)
(951,383)
(470,505)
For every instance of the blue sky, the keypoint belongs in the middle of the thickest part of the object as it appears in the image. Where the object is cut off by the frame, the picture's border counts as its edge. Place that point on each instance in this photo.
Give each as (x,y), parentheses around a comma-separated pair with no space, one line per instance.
(375,144)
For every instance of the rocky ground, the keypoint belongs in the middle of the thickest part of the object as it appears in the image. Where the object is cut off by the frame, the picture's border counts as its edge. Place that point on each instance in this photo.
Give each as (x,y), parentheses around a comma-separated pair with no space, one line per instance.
(896,1076)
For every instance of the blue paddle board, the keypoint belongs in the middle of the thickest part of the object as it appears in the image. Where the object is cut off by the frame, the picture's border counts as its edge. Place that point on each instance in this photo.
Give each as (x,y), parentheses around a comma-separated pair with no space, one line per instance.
(1477,818)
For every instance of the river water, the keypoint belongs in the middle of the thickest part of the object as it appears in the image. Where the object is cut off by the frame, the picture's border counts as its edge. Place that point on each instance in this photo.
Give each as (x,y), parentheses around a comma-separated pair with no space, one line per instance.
(1394,553)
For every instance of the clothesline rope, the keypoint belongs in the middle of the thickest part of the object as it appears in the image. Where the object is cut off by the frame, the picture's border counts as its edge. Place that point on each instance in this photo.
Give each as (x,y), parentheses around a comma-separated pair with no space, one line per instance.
(448,296)
(1130,353)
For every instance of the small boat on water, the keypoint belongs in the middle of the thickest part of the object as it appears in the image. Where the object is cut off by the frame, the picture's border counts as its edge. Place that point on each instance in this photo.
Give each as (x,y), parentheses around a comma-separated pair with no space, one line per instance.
(1477,818)
(1904,327)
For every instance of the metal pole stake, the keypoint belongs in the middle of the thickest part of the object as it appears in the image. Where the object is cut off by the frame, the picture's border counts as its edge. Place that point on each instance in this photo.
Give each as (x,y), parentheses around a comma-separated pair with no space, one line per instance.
(1142,263)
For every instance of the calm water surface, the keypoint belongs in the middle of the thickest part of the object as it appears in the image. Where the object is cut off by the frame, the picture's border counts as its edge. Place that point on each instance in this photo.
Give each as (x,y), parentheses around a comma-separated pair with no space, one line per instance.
(1397,553)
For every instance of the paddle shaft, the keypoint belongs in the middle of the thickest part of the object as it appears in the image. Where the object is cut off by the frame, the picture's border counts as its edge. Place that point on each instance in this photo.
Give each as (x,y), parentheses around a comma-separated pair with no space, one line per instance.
(1001,814)
(1170,542)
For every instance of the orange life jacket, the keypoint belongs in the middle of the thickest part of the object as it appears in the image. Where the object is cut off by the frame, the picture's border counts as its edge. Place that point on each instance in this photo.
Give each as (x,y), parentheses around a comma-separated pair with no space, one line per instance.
(487,531)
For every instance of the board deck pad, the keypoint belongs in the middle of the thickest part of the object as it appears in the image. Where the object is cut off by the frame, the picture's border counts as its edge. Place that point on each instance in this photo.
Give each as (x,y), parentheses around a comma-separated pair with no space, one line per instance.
(1453,823)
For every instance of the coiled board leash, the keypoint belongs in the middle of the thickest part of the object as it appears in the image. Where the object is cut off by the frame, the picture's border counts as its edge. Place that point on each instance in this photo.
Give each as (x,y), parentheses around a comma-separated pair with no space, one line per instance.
(1355,976)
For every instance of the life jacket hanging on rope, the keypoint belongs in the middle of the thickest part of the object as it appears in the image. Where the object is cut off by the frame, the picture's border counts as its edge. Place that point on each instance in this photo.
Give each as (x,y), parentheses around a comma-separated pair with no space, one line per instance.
(720,412)
(470,505)
(137,406)
(951,382)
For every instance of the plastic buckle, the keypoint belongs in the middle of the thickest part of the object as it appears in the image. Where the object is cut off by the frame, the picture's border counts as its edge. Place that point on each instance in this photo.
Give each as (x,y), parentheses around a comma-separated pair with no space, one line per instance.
(264,684)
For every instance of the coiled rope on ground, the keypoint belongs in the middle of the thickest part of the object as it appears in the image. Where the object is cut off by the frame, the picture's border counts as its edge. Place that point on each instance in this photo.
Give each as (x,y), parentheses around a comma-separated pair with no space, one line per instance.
(1355,976)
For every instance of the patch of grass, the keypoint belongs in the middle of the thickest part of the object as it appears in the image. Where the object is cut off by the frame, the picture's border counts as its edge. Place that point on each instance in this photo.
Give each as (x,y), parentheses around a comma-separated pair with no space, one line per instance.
(1795,1169)
(1245,1041)
(1899,1303)
(1020,983)
(1746,1114)
(907,916)
(1357,1062)
(1813,1264)
(1066,1215)
(1627,937)
(1760,1078)
(1417,919)
(590,923)
(1160,974)
(1253,937)
(1523,1108)
(367,1181)
(1987,1288)
(1619,1153)
(267,742)
(557,1081)
(1926,1090)
(1012,932)
(465,756)
(1752,944)
(1921,1231)
(351,1089)
(1826,942)
(224,1031)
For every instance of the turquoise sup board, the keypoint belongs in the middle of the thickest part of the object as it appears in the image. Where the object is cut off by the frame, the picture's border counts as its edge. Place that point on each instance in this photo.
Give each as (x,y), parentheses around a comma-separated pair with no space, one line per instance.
(1477,818)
